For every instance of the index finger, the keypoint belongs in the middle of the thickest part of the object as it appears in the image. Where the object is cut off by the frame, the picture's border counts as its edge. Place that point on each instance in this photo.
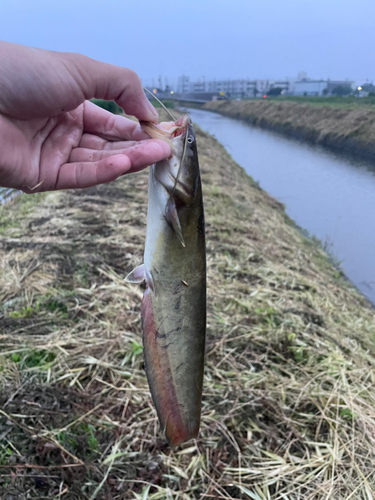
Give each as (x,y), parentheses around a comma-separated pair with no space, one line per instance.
(112,127)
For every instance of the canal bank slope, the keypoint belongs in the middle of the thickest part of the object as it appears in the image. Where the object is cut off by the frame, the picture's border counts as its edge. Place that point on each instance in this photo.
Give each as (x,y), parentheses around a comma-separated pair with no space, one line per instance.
(350,130)
(288,406)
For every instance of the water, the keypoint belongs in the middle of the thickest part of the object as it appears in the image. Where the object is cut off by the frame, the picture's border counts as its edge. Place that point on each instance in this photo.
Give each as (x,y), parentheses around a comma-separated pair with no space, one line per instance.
(330,196)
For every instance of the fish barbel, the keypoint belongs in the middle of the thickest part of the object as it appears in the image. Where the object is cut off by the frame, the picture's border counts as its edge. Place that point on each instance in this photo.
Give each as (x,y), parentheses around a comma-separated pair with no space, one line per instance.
(174,303)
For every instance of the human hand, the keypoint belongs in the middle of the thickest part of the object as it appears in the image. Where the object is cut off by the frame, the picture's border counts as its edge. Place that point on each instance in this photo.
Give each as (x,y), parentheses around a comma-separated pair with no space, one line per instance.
(52,137)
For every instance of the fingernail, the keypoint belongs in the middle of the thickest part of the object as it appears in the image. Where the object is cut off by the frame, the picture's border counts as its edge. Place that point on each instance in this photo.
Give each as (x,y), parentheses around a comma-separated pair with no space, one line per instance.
(153,110)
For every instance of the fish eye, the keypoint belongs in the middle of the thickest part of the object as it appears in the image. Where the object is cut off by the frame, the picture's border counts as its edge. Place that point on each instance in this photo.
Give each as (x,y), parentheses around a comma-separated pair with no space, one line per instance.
(190,140)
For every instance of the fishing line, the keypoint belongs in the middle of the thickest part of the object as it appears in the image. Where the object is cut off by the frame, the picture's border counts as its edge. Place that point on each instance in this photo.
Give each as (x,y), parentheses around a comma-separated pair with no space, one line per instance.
(181,161)
(161,104)
(186,141)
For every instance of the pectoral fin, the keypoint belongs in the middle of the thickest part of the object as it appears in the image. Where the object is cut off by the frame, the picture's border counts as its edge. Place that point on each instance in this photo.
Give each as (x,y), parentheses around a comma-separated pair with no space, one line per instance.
(138,275)
(171,216)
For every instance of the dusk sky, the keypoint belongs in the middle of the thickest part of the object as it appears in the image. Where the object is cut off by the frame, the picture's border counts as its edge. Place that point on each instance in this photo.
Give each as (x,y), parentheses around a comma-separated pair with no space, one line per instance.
(205,38)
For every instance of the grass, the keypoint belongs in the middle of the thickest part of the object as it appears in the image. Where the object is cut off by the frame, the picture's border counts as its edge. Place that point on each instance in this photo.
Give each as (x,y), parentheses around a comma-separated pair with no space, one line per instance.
(108,106)
(17,207)
(288,405)
(167,103)
(336,123)
(334,101)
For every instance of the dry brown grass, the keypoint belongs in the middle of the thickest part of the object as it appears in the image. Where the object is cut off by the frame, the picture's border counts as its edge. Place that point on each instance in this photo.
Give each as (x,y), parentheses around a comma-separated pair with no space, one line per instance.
(288,407)
(350,130)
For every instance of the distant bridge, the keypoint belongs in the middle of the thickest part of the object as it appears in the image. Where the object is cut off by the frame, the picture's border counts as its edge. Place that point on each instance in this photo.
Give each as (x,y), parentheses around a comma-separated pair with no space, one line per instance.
(182,99)
(197,97)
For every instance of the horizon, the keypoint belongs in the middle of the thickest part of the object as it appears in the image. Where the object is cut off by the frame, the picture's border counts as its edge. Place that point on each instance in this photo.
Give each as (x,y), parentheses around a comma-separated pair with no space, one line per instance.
(154,82)
(217,39)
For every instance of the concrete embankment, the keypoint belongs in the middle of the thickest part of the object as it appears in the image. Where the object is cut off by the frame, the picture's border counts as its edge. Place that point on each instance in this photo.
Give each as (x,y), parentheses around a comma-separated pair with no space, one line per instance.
(350,130)
(288,405)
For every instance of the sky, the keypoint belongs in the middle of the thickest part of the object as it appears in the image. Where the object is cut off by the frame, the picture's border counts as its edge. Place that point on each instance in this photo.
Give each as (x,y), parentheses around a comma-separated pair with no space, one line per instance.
(211,39)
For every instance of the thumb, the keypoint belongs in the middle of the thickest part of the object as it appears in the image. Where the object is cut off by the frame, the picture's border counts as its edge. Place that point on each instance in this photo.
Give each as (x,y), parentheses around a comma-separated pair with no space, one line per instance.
(106,81)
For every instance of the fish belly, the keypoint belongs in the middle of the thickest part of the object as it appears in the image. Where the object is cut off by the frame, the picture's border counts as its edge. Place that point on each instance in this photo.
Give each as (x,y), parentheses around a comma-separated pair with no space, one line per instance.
(173,322)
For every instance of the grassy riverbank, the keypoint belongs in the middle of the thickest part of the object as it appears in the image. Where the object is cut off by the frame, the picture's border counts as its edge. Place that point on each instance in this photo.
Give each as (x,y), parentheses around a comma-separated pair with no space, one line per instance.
(349,129)
(288,407)
(333,101)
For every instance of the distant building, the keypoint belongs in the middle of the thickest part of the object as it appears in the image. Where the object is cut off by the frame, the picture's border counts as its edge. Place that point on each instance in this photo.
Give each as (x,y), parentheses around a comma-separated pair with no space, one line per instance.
(364,89)
(183,85)
(309,87)
(199,86)
(247,88)
(285,85)
(332,84)
(234,89)
(368,87)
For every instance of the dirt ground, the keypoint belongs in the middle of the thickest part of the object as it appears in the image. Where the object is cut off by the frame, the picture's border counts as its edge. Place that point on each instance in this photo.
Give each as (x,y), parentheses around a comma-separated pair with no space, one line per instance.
(288,405)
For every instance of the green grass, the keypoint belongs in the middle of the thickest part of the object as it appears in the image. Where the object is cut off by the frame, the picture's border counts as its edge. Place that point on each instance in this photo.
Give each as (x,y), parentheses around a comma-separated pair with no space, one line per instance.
(108,106)
(167,103)
(45,305)
(14,212)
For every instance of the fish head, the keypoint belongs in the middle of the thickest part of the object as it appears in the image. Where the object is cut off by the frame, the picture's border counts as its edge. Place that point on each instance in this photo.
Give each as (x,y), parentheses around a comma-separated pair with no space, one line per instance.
(171,132)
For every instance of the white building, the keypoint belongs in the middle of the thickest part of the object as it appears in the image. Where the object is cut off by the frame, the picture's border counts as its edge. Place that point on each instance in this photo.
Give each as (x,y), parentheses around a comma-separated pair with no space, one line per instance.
(309,87)
(183,85)
(285,85)
(232,88)
(198,86)
(306,86)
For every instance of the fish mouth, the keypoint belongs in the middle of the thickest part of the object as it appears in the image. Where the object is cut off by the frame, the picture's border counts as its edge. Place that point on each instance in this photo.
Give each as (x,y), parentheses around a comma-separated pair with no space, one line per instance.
(166,131)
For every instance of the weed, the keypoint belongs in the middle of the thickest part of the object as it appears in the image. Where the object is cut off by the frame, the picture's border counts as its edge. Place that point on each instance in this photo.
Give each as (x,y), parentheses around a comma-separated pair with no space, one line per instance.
(25,312)
(55,305)
(41,359)
(136,348)
(347,414)
(108,106)
(5,454)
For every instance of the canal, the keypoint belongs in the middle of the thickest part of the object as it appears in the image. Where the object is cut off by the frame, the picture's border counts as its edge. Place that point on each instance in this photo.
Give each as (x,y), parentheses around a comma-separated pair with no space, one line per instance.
(331,196)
